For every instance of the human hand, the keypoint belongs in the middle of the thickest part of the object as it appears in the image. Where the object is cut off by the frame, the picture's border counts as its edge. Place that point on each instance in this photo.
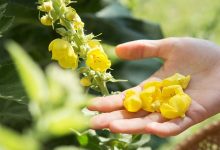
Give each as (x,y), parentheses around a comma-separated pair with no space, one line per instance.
(187,56)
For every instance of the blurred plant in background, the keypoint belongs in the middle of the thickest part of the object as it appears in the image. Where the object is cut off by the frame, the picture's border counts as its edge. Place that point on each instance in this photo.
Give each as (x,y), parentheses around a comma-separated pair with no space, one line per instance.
(178,18)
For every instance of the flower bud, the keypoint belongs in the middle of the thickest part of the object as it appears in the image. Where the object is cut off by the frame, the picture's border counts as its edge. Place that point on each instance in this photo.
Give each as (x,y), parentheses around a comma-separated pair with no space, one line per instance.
(85,82)
(77,25)
(70,14)
(95,44)
(46,20)
(46,6)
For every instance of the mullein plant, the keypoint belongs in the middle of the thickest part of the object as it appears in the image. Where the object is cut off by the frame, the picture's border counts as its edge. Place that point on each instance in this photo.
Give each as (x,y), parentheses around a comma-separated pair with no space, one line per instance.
(74,47)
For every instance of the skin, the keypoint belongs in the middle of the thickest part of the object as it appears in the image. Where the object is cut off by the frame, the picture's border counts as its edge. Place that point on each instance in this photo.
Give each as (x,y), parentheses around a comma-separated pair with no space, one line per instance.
(188,56)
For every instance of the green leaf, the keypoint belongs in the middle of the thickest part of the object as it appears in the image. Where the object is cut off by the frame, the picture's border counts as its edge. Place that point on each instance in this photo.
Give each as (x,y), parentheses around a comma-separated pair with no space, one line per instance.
(30,73)
(122,29)
(10,140)
(2,9)
(139,142)
(13,101)
(5,21)
(114,10)
(14,114)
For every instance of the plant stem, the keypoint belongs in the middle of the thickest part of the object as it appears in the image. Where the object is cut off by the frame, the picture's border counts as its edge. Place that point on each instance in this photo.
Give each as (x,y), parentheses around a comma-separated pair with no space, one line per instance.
(103,88)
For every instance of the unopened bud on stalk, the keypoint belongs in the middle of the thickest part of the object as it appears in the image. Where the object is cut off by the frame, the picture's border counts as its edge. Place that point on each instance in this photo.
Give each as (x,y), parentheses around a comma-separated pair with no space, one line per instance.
(46,20)
(70,14)
(46,6)
(85,82)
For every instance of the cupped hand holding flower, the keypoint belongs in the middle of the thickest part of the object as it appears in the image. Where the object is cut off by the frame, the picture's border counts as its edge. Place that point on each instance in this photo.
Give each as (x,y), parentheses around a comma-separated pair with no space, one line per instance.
(188,56)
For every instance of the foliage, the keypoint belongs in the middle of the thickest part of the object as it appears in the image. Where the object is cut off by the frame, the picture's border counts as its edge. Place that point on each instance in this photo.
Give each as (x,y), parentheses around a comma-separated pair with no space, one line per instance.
(35,116)
(5,21)
(179,19)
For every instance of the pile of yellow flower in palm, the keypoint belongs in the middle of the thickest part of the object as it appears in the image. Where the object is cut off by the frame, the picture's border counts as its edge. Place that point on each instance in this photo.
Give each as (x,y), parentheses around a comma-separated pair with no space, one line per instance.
(166,96)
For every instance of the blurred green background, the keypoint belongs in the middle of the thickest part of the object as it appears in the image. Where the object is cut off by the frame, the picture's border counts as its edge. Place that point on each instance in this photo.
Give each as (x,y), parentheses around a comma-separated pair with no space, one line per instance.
(182,18)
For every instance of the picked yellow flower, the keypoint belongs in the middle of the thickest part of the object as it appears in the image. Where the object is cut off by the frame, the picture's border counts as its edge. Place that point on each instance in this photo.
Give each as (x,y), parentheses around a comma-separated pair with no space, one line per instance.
(132,101)
(98,60)
(148,84)
(166,96)
(151,98)
(170,91)
(176,106)
(177,79)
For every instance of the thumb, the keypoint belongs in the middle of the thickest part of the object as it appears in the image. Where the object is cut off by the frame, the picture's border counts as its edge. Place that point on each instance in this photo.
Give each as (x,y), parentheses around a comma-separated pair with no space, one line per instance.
(145,48)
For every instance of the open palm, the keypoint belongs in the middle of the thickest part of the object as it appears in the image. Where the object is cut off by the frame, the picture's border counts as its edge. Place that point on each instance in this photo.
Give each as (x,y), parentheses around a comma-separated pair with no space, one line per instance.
(188,56)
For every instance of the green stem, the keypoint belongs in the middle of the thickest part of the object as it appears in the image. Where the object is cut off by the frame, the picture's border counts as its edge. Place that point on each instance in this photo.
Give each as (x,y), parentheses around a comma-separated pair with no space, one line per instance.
(103,88)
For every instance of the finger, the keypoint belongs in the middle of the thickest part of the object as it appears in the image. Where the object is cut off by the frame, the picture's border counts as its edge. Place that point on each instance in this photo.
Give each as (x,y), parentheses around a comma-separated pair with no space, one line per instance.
(109,103)
(145,49)
(103,120)
(136,125)
(169,128)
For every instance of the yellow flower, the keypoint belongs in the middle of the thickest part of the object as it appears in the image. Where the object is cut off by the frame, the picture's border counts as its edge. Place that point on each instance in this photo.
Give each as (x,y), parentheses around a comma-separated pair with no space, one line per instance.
(157,84)
(177,79)
(46,6)
(166,97)
(98,60)
(151,99)
(64,53)
(69,61)
(46,20)
(85,81)
(176,106)
(132,101)
(170,91)
(60,48)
